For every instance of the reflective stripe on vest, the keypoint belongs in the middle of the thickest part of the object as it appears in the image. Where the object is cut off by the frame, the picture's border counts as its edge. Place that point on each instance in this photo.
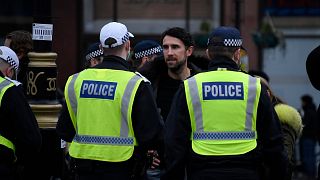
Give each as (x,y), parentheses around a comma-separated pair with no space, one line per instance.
(104,140)
(4,85)
(224,135)
(200,134)
(72,96)
(124,130)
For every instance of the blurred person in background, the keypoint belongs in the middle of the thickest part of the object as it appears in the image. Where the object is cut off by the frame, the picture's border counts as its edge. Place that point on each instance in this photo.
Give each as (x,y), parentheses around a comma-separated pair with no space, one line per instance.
(145,51)
(94,55)
(21,43)
(309,137)
(290,120)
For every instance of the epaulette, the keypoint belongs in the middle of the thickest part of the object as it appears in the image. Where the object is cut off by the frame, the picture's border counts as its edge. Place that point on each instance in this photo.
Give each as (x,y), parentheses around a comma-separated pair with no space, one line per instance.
(16,83)
(143,78)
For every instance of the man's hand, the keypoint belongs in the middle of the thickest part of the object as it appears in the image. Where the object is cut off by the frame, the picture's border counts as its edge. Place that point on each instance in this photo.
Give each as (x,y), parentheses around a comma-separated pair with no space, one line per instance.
(155,162)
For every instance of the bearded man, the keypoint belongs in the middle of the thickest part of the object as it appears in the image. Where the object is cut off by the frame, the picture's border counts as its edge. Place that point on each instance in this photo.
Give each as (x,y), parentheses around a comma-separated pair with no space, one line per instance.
(178,46)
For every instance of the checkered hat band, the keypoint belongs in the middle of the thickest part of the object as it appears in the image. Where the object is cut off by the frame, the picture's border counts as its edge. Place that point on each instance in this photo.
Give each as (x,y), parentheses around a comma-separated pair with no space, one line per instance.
(124,141)
(94,54)
(148,52)
(12,63)
(124,39)
(224,135)
(232,42)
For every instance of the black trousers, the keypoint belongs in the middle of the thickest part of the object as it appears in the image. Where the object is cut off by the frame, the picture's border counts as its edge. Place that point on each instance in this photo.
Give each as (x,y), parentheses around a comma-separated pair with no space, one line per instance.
(224,174)
(99,170)
(9,172)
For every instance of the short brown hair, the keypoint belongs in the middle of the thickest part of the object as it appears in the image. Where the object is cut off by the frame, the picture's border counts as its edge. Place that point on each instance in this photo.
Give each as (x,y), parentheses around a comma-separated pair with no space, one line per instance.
(21,41)
(179,33)
(215,51)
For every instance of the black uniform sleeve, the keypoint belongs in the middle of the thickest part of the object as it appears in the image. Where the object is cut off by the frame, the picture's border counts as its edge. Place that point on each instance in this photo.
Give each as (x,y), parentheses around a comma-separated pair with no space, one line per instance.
(318,126)
(270,138)
(25,133)
(152,69)
(146,120)
(178,129)
(65,128)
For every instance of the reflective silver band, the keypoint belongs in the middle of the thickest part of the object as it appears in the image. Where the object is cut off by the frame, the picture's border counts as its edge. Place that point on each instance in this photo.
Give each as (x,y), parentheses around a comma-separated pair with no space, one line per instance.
(124,131)
(4,141)
(195,99)
(252,91)
(72,94)
(4,83)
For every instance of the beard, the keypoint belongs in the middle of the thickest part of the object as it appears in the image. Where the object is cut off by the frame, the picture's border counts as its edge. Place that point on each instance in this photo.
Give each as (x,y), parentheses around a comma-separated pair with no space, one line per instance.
(174,65)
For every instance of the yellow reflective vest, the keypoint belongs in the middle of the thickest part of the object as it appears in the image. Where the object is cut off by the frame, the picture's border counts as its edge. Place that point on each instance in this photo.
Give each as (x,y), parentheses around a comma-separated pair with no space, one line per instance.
(100,102)
(223,108)
(4,86)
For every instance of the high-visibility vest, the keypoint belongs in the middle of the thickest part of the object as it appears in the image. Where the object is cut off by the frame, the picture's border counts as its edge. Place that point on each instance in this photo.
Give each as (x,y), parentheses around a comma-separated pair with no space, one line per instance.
(100,102)
(5,84)
(223,110)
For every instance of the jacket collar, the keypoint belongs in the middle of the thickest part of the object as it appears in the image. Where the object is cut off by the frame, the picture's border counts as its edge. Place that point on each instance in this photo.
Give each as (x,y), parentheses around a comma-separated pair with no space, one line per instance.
(1,74)
(223,62)
(114,62)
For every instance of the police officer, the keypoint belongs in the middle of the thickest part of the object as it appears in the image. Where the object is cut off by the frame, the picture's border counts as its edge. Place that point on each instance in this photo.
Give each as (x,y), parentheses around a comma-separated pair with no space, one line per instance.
(20,138)
(20,41)
(110,113)
(145,51)
(222,124)
(94,55)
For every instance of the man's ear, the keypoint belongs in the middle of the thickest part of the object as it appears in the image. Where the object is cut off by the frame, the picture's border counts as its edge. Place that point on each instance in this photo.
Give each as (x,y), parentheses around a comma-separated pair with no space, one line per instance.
(190,50)
(144,59)
(9,72)
(237,55)
(127,46)
(94,62)
(207,53)
(20,55)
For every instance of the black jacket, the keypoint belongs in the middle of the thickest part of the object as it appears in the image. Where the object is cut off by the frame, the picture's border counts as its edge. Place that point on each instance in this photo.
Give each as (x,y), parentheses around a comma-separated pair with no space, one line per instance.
(18,124)
(164,87)
(179,154)
(146,121)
